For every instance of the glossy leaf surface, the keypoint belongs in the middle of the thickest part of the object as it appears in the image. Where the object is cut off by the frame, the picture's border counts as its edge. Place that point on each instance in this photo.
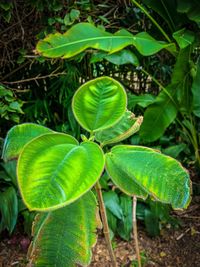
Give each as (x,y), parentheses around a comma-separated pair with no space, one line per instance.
(156,174)
(65,237)
(99,103)
(19,136)
(126,127)
(60,171)
(84,35)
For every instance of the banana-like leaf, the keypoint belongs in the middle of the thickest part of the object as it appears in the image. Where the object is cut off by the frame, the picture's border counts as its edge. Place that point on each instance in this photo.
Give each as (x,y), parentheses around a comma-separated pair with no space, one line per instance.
(196,91)
(99,103)
(156,174)
(19,136)
(53,170)
(8,209)
(159,115)
(85,35)
(126,127)
(65,237)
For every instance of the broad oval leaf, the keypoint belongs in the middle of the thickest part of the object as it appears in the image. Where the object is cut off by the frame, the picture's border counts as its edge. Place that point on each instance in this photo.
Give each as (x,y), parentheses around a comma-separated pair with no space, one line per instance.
(156,174)
(99,103)
(65,237)
(85,35)
(124,128)
(53,170)
(19,136)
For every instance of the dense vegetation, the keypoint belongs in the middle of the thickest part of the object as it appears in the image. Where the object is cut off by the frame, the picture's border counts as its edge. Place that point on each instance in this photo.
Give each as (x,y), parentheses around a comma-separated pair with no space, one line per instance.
(155,56)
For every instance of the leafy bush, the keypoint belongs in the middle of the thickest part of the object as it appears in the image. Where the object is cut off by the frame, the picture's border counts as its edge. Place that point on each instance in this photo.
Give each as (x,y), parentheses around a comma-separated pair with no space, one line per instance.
(56,173)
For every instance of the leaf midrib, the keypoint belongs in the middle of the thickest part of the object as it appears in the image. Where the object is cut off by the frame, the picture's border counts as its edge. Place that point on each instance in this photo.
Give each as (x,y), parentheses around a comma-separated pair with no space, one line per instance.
(99,38)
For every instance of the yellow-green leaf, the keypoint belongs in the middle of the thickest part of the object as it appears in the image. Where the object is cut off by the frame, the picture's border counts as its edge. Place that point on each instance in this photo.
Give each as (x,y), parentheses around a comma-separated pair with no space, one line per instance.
(19,136)
(157,175)
(127,126)
(85,35)
(65,237)
(54,170)
(99,103)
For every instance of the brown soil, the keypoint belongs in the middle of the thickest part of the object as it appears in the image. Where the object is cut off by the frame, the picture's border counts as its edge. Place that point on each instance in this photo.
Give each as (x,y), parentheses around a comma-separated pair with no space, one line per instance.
(172,248)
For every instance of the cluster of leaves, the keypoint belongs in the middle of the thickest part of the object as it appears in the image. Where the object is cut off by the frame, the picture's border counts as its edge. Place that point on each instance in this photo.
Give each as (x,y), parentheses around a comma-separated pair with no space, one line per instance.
(177,102)
(6,10)
(60,190)
(10,106)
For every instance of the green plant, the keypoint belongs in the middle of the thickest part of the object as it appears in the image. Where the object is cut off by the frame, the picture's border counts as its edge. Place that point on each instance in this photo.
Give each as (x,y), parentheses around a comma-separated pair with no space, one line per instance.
(56,174)
(176,101)
(11,205)
(8,196)
(10,106)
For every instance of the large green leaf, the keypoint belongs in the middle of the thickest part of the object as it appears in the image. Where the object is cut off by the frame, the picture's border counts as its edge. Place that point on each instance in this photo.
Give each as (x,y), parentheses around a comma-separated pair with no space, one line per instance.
(158,175)
(127,126)
(20,135)
(65,237)
(99,103)
(159,115)
(8,209)
(84,35)
(196,91)
(53,170)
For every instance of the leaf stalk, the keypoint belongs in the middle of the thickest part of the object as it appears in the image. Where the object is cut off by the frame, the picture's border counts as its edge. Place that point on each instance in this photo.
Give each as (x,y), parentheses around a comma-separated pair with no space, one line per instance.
(105,224)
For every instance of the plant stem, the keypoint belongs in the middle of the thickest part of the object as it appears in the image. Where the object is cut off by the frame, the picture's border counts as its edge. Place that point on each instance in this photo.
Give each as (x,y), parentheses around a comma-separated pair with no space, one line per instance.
(153,20)
(135,233)
(105,224)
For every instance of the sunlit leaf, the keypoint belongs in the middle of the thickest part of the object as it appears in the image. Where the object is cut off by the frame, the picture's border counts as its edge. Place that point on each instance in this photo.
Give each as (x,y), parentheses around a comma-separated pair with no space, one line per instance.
(157,175)
(20,135)
(60,171)
(127,126)
(65,237)
(85,35)
(99,103)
